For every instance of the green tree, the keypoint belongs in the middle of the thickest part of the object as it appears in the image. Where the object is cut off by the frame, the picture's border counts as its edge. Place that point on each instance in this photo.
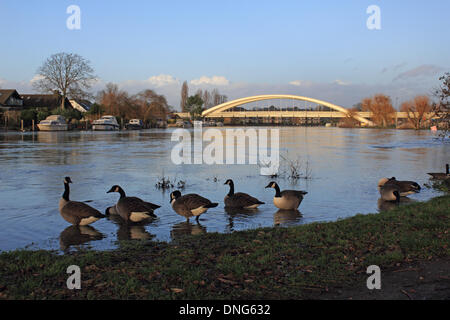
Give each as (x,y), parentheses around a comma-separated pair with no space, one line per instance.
(194,106)
(28,116)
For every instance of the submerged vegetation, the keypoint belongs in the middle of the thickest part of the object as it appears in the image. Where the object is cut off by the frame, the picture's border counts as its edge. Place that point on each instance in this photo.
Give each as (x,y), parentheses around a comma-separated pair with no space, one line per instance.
(166,183)
(270,263)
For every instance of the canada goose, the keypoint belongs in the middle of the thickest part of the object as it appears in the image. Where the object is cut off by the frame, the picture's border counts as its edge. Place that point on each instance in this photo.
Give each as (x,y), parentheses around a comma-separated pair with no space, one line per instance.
(74,212)
(441,175)
(404,187)
(287,199)
(390,192)
(240,200)
(190,205)
(131,208)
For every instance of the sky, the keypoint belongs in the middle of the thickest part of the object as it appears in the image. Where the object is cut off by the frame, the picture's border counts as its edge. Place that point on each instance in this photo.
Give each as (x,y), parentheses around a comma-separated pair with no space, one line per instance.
(323,49)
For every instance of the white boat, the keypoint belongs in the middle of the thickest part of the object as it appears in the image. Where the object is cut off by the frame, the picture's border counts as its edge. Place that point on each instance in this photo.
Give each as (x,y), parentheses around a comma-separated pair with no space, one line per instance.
(53,123)
(105,123)
(134,124)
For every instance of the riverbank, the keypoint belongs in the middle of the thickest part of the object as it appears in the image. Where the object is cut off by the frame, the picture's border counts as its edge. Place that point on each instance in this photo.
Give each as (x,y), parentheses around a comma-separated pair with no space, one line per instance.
(320,260)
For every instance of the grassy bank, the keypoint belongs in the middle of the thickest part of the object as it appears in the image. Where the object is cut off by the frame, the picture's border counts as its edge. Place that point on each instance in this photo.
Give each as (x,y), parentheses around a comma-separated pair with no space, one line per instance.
(271,263)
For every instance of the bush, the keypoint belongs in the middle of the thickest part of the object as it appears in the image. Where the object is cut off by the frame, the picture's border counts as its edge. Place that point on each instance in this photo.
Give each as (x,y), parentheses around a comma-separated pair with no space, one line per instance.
(42,115)
(69,114)
(28,116)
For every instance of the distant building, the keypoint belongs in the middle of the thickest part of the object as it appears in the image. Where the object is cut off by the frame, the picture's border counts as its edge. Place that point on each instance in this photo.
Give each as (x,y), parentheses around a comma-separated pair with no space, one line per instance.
(81,105)
(10,100)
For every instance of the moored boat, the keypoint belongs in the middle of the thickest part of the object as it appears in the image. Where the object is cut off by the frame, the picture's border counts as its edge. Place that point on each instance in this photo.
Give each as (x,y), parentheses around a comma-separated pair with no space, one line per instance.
(53,123)
(134,124)
(105,123)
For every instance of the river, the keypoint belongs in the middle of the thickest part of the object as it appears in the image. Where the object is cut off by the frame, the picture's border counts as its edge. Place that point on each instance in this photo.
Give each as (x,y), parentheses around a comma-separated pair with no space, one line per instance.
(344,166)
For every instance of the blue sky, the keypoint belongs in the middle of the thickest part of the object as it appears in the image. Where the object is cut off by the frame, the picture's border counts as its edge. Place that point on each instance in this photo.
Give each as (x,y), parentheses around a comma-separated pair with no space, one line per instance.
(300,47)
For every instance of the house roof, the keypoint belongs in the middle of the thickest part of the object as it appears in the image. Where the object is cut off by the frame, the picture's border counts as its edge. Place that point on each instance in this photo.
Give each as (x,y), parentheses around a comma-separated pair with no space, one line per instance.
(85,104)
(6,93)
(43,100)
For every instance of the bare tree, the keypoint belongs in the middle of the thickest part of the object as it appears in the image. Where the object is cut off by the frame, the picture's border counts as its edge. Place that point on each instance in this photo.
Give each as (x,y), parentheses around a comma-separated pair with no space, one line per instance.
(184,96)
(207,99)
(152,106)
(68,73)
(349,120)
(218,98)
(381,107)
(199,93)
(417,110)
(115,101)
(442,109)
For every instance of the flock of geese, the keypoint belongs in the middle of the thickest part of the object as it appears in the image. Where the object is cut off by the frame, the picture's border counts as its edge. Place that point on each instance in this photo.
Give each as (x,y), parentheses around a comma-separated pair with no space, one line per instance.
(133,209)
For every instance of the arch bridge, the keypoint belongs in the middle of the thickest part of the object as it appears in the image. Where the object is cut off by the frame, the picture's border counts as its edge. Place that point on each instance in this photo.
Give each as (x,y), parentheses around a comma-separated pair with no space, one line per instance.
(224,110)
(218,111)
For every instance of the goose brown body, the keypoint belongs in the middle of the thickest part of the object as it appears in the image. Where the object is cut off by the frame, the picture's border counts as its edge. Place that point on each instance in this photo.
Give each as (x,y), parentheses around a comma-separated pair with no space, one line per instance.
(131,208)
(240,199)
(190,205)
(441,175)
(405,188)
(287,199)
(74,212)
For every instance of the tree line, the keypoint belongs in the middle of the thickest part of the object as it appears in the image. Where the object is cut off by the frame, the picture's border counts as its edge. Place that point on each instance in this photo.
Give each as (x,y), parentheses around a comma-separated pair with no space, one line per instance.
(419,110)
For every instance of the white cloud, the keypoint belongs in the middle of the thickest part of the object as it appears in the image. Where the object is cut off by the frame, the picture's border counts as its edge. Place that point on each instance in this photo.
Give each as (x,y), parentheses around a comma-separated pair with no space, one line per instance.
(162,80)
(341,83)
(37,77)
(301,83)
(214,81)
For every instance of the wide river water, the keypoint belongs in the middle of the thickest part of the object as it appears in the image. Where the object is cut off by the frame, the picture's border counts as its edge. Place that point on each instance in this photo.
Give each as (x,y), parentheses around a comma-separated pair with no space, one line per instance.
(344,166)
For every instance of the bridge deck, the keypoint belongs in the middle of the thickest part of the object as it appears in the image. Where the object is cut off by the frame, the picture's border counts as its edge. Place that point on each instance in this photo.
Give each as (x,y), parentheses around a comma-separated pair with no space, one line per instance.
(289,114)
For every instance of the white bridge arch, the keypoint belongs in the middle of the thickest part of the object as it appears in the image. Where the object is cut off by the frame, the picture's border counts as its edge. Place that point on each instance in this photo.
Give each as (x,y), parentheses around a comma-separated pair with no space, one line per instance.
(231,104)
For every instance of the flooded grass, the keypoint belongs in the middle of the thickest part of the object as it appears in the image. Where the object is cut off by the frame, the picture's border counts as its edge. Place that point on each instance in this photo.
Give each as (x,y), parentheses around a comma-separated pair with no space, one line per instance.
(269,263)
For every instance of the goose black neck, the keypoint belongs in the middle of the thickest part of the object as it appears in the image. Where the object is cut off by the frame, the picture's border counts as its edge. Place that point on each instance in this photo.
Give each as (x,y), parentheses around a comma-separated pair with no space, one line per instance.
(277,191)
(231,189)
(122,193)
(447,169)
(66,191)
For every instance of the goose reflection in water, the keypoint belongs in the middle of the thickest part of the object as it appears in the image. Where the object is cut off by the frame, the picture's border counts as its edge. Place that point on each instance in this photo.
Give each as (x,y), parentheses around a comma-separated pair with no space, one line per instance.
(389,205)
(286,217)
(133,231)
(78,235)
(186,228)
(239,214)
